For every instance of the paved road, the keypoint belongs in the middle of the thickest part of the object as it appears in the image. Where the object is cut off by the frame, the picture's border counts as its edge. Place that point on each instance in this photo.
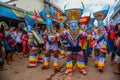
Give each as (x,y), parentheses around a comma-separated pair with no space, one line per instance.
(18,71)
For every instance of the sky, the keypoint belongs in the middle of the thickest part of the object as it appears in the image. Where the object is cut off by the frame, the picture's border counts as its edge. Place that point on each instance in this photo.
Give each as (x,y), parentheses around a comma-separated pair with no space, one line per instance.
(90,5)
(4,0)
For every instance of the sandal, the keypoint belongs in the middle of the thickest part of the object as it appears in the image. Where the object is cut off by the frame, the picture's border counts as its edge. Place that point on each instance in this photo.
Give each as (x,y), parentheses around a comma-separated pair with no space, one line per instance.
(116,72)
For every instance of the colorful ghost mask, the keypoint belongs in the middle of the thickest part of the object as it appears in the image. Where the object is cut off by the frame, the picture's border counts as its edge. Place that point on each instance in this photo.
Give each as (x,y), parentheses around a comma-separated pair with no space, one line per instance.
(74,15)
(48,15)
(100,16)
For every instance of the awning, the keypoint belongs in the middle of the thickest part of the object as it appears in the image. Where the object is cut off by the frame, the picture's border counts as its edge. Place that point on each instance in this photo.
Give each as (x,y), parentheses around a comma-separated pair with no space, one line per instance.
(7,12)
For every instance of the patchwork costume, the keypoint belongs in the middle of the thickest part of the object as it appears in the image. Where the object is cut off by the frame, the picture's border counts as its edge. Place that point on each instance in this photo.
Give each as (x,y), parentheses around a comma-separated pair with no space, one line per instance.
(35,42)
(101,48)
(90,39)
(73,35)
(51,38)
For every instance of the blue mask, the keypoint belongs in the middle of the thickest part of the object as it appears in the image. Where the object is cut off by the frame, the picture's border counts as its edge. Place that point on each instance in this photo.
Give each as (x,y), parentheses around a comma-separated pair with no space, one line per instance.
(100,16)
(48,15)
(74,26)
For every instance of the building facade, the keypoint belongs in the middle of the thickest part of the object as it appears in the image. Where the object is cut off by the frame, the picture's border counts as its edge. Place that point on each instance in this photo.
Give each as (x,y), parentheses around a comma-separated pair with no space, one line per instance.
(28,5)
(115,18)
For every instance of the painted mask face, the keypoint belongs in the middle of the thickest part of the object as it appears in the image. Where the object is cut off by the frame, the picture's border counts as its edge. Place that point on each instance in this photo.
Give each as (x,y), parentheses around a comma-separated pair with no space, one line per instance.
(101,24)
(73,26)
(48,15)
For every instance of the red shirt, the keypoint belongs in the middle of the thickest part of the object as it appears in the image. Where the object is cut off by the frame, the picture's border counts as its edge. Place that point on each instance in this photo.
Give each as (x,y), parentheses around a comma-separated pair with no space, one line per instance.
(112,35)
(1,35)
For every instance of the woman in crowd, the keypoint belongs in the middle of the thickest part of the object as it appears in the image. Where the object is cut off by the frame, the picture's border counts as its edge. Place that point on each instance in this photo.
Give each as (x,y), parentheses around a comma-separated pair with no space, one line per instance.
(117,53)
(19,40)
(10,45)
(113,37)
(24,44)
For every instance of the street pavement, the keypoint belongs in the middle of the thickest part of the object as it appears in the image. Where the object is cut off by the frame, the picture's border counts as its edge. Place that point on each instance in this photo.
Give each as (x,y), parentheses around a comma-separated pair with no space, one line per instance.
(18,71)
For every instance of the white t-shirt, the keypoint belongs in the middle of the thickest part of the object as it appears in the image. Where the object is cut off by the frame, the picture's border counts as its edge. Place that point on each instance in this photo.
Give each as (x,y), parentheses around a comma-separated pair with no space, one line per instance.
(18,37)
(13,35)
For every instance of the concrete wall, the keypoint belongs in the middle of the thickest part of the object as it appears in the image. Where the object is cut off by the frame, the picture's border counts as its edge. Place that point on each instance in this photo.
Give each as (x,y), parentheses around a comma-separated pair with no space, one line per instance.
(29,5)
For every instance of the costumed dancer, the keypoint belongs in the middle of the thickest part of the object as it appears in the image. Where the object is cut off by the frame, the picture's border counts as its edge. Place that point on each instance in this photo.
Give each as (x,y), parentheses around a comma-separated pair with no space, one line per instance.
(74,49)
(90,39)
(83,40)
(101,48)
(51,38)
(34,41)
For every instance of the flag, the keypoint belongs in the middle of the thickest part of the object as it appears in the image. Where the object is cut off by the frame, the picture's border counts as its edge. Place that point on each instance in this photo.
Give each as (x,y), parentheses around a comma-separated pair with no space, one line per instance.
(29,21)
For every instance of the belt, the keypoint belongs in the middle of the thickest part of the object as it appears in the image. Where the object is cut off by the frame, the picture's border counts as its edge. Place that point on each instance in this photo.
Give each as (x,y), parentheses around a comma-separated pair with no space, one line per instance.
(74,49)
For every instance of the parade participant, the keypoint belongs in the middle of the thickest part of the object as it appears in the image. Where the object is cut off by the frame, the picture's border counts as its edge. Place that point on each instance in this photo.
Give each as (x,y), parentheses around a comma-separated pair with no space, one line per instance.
(83,39)
(24,44)
(34,42)
(101,48)
(90,39)
(51,38)
(73,35)
(2,49)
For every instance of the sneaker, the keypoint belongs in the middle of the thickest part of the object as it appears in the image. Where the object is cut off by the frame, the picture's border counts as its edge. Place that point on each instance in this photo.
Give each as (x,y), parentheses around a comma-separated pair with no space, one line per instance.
(83,72)
(32,65)
(40,61)
(68,71)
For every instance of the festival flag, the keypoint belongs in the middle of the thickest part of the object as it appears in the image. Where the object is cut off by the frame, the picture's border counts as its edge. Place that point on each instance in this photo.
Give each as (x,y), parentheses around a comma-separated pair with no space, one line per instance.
(29,21)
